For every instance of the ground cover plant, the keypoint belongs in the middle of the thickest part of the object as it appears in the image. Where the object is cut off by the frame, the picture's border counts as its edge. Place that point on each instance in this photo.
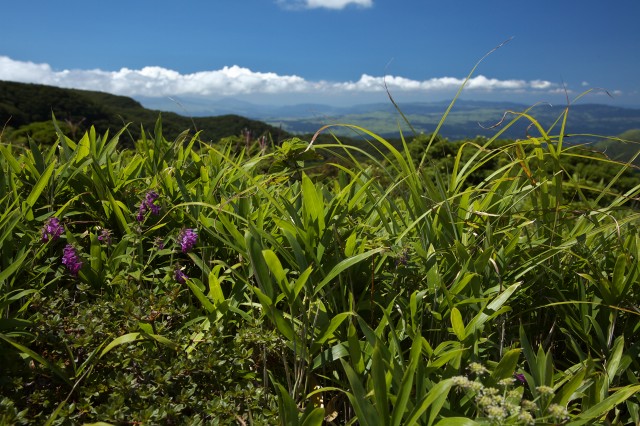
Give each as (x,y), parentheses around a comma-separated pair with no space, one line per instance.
(184,282)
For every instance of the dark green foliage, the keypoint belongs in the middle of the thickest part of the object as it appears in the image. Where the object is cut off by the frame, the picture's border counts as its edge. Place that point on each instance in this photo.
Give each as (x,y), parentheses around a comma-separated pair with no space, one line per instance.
(23,104)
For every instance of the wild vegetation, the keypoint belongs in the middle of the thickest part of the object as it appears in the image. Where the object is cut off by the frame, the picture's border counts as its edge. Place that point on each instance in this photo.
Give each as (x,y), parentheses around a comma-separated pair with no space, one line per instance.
(184,282)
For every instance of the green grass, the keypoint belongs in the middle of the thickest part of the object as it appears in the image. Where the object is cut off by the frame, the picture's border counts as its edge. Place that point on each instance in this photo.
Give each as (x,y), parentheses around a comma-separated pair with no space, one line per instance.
(360,285)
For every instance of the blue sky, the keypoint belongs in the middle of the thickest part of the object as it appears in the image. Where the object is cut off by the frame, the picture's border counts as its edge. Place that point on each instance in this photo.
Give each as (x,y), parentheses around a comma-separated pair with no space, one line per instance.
(327,51)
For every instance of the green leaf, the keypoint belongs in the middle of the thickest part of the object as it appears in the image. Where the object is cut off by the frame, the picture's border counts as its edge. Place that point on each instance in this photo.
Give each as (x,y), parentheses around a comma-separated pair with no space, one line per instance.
(366,413)
(327,333)
(122,222)
(272,261)
(301,281)
(25,350)
(260,268)
(379,385)
(605,406)
(613,362)
(406,386)
(314,418)
(457,421)
(215,289)
(493,309)
(124,339)
(343,265)
(164,341)
(37,190)
(441,389)
(507,365)
(15,265)
(618,279)
(313,203)
(563,395)
(275,315)
(286,406)
(202,298)
(457,324)
(96,253)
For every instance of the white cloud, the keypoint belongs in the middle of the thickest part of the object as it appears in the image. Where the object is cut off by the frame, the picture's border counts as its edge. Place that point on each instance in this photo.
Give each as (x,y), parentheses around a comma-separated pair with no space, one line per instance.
(327,4)
(337,4)
(153,81)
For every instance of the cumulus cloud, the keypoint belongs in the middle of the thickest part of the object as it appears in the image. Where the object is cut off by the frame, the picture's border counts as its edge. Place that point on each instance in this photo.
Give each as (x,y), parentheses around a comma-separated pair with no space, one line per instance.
(326,4)
(153,81)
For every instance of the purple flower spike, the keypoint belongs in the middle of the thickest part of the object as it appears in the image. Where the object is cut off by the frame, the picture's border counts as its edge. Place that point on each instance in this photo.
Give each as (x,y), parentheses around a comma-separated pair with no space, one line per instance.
(148,204)
(520,377)
(105,236)
(71,260)
(187,239)
(158,243)
(52,230)
(180,276)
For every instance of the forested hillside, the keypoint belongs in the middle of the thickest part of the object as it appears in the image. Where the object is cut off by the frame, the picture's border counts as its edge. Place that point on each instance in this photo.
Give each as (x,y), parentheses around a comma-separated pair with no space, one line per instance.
(32,105)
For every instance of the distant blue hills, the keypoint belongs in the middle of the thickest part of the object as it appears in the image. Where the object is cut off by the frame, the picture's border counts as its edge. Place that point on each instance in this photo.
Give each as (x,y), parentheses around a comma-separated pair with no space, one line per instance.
(467,119)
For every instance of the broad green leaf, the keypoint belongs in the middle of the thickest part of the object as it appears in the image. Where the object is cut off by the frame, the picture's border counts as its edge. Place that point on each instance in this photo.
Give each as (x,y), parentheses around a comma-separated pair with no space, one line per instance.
(457,421)
(313,203)
(379,385)
(276,316)
(365,411)
(122,222)
(343,265)
(215,289)
(314,418)
(335,322)
(37,190)
(457,324)
(507,365)
(328,356)
(202,298)
(260,268)
(163,340)
(563,395)
(124,339)
(605,406)
(441,389)
(494,309)
(286,406)
(83,148)
(613,361)
(350,245)
(274,265)
(96,253)
(25,350)
(406,386)
(301,281)
(15,265)
(355,351)
(618,279)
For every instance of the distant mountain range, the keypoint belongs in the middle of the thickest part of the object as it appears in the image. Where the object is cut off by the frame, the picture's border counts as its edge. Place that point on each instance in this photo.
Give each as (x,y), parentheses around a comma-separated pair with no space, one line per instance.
(21,104)
(466,119)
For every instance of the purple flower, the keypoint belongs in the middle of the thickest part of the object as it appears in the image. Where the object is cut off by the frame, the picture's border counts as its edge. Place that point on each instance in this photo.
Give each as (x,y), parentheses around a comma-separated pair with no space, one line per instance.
(52,230)
(520,377)
(71,260)
(148,204)
(187,239)
(158,243)
(105,236)
(180,276)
